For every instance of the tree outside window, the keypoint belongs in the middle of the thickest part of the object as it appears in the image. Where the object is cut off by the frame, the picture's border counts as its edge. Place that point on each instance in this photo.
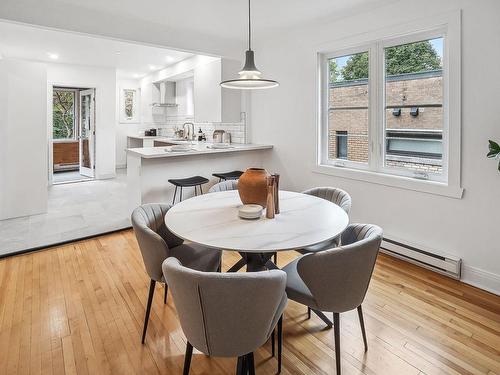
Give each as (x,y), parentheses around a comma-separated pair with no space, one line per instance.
(406,58)
(63,120)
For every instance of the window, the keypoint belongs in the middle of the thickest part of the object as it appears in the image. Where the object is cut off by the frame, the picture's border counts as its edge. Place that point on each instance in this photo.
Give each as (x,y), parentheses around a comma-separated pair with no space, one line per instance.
(348,107)
(385,109)
(64,116)
(413,74)
(341,144)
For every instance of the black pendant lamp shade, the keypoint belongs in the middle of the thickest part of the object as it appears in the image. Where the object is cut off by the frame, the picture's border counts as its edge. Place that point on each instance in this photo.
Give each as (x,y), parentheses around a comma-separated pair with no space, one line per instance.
(250,76)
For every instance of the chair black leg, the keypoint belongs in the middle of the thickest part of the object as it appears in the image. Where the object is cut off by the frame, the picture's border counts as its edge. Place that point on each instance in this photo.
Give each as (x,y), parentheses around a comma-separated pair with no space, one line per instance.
(362,324)
(272,343)
(165,295)
(219,269)
(323,317)
(336,327)
(308,313)
(241,366)
(181,195)
(201,190)
(175,194)
(280,341)
(195,191)
(250,364)
(187,358)
(148,308)
(275,258)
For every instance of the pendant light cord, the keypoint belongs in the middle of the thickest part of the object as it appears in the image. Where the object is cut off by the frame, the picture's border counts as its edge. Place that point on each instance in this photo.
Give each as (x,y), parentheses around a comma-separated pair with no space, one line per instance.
(249,28)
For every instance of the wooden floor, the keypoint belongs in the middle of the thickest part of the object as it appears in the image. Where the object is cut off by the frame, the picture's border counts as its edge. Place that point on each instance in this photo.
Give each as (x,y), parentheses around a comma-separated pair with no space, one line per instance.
(79,308)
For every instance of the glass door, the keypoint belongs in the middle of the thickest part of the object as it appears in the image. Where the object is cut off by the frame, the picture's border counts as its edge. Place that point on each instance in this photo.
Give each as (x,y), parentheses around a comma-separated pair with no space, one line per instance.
(87,133)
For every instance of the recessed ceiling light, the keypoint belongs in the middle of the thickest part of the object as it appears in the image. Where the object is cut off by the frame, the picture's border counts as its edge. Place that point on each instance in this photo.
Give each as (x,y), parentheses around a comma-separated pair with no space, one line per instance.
(169,59)
(153,67)
(137,75)
(53,56)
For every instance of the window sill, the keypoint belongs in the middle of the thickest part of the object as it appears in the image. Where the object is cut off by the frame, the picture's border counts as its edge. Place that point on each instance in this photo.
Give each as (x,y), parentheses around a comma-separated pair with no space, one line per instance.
(407,183)
(68,140)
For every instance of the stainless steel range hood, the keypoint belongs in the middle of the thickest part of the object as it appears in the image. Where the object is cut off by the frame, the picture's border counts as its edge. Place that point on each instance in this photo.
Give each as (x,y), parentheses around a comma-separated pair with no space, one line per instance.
(167,94)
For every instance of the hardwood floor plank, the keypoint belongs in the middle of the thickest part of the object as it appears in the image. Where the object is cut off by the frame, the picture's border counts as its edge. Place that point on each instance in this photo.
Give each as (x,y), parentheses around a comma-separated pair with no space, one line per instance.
(79,309)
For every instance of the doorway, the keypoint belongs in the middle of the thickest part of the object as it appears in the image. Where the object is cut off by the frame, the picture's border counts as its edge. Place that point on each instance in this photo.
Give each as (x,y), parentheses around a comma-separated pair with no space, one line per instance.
(73,134)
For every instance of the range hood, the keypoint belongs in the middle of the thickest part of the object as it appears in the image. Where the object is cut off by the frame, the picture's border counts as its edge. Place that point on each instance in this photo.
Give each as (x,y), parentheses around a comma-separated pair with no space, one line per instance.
(166,94)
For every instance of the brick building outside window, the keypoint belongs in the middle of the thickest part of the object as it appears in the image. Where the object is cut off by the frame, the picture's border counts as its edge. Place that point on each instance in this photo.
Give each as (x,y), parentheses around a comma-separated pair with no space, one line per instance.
(414,120)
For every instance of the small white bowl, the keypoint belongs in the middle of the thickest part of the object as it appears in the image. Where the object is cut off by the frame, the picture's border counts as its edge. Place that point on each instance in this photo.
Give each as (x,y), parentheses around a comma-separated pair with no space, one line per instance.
(250,211)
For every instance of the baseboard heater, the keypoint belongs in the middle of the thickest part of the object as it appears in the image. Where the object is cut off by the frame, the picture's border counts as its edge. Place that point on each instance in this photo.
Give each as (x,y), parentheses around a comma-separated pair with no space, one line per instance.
(444,264)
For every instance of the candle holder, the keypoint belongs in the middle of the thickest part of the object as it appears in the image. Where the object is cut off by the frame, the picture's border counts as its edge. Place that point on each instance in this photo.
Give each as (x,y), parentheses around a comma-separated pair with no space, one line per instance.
(271,185)
(276,193)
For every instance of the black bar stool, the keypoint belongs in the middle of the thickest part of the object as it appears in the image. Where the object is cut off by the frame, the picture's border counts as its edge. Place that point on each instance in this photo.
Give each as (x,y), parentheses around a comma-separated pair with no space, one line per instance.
(234,175)
(195,181)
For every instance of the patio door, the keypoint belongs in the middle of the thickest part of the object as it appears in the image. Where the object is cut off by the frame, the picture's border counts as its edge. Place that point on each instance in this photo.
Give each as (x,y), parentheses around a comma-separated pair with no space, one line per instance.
(87,133)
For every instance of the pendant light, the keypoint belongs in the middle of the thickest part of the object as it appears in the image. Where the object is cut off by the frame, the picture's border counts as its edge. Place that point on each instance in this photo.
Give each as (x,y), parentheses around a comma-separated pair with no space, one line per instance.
(250,76)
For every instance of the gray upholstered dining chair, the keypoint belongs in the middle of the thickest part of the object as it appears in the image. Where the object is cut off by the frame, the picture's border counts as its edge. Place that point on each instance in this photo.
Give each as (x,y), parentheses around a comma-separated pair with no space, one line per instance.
(157,243)
(335,195)
(227,314)
(336,280)
(224,186)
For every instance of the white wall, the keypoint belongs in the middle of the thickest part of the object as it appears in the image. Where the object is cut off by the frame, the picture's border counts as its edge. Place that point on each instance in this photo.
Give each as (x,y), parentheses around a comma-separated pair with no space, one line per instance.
(126,128)
(104,81)
(23,138)
(285,117)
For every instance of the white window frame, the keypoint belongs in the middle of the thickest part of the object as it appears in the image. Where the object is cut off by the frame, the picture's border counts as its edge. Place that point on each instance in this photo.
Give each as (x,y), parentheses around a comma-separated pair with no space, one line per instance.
(448,183)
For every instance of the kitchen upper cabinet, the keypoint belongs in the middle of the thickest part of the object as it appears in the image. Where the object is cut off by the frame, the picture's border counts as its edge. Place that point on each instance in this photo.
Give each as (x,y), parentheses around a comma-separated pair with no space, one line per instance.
(212,103)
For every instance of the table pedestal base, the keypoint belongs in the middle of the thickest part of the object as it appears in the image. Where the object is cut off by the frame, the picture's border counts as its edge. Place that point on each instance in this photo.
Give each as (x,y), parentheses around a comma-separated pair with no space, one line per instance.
(254,261)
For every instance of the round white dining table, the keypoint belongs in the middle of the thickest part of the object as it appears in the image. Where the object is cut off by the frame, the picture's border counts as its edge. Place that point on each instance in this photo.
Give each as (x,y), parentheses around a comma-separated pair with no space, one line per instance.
(212,220)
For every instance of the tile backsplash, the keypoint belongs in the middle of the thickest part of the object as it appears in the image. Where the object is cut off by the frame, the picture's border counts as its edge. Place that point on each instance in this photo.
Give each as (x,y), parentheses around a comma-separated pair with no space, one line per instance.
(167,126)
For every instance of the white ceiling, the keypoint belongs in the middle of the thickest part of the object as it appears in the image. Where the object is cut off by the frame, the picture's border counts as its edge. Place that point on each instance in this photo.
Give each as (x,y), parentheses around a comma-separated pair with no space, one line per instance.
(131,60)
(225,19)
(228,18)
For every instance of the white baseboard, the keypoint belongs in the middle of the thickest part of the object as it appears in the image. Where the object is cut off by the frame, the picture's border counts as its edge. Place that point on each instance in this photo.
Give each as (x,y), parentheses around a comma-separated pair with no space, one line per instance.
(481,279)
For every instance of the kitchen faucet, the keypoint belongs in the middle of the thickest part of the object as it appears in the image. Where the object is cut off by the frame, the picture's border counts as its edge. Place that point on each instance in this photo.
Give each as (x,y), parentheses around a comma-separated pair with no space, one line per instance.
(188,128)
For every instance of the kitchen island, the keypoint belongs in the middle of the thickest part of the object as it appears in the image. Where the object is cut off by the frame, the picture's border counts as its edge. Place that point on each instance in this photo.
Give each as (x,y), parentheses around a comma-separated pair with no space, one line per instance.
(150,168)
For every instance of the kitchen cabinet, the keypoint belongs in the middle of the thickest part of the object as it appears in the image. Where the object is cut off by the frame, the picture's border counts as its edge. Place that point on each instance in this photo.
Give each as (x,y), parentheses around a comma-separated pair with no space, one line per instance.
(212,103)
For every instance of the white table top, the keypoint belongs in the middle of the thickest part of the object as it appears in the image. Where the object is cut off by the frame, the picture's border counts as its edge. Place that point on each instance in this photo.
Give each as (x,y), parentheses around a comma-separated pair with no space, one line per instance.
(212,220)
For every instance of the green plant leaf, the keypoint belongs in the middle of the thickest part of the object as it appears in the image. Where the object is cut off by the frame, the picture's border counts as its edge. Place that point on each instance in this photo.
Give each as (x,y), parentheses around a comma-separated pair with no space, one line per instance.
(499,165)
(493,146)
(494,149)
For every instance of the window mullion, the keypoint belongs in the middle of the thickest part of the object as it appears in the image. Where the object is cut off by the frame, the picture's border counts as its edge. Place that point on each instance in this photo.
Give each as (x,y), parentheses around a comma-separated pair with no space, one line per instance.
(374,113)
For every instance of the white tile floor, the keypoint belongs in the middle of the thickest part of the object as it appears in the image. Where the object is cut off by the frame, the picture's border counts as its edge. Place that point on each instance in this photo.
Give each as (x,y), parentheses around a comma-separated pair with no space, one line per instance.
(74,211)
(69,176)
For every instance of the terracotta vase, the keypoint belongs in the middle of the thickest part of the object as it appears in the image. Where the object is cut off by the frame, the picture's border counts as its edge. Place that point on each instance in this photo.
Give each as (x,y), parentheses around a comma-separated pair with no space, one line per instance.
(252,186)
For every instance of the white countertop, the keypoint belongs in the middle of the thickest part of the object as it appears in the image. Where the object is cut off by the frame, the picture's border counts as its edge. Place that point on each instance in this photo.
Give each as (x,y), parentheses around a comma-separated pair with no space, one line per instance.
(212,220)
(198,148)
